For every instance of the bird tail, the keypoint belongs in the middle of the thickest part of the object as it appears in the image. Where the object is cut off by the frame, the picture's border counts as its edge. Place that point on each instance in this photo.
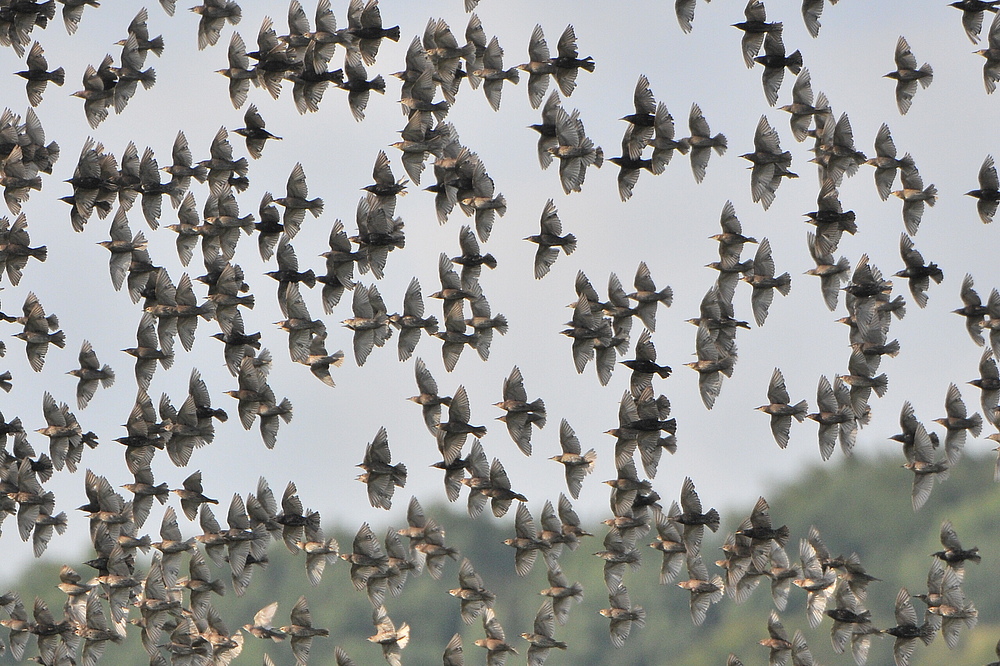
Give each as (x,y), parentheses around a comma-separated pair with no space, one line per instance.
(589,64)
(148,78)
(977,424)
(569,243)
(59,340)
(928,72)
(931,193)
(794,62)
(392,33)
(501,205)
(640,616)
(309,278)
(720,144)
(800,410)
(156,46)
(316,207)
(40,253)
(378,84)
(713,520)
(58,76)
(891,349)
(500,324)
(109,376)
(900,307)
(598,157)
(286,410)
(784,284)
(781,535)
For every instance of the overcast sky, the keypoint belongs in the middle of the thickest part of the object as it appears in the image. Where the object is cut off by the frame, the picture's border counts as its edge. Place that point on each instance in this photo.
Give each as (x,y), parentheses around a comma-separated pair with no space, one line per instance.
(728,451)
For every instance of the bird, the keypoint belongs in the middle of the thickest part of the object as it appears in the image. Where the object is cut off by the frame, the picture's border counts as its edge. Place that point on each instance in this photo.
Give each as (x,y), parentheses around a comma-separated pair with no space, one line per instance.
(550,240)
(988,195)
(775,62)
(754,28)
(917,274)
(907,74)
(914,195)
(622,615)
(381,476)
(37,76)
(254,133)
(702,142)
(520,413)
(991,68)
(90,374)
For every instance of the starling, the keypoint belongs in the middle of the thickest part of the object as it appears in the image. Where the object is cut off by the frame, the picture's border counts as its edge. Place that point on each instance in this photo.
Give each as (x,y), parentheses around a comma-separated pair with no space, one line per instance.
(550,240)
(754,29)
(622,615)
(381,476)
(541,638)
(90,373)
(780,410)
(520,413)
(37,75)
(577,464)
(775,61)
(988,194)
(907,75)
(991,68)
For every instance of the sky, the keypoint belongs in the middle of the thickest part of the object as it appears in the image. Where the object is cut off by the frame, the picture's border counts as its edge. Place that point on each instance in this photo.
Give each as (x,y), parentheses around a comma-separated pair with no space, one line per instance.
(727,451)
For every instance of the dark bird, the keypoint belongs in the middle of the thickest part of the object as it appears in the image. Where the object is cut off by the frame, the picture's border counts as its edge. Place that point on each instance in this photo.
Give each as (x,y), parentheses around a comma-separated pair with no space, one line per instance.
(254,133)
(775,62)
(953,554)
(754,29)
(37,75)
(549,240)
(907,631)
(973,310)
(547,139)
(988,194)
(907,75)
(640,129)
(359,88)
(972,15)
(989,383)
(693,519)
(644,364)
(568,62)
(364,23)
(472,260)
(917,274)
